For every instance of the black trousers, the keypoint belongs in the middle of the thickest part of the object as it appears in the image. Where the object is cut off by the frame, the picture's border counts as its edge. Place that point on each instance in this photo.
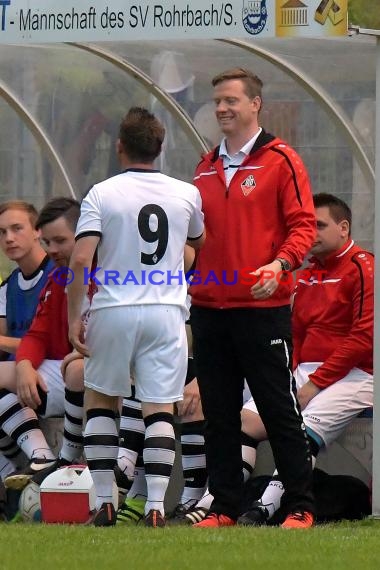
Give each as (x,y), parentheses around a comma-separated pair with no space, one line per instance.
(230,345)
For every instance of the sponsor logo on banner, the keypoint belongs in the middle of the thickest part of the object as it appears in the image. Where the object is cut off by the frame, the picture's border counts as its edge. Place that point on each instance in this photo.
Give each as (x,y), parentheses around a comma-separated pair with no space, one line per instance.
(306,18)
(254,16)
(294,13)
(52,21)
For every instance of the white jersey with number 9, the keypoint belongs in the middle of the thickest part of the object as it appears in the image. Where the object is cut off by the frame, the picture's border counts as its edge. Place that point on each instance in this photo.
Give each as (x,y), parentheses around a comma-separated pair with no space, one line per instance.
(143,219)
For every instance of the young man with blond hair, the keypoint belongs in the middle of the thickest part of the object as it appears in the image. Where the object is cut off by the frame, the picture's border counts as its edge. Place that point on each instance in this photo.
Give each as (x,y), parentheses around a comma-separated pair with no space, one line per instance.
(19,296)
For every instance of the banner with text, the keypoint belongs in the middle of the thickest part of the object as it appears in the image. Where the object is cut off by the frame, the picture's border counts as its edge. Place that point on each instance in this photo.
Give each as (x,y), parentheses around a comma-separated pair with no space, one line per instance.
(40,21)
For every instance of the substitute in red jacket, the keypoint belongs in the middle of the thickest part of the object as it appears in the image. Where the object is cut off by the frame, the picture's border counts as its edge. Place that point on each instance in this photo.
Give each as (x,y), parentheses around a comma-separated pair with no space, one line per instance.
(333,315)
(47,338)
(260,222)
(333,340)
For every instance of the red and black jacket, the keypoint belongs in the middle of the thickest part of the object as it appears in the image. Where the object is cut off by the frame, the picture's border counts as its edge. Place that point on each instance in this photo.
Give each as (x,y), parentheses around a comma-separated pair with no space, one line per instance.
(333,315)
(266,212)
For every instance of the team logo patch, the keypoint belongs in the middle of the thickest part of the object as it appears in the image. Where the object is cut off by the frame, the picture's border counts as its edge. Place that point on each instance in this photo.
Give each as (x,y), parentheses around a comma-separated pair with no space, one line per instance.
(248,185)
(254,16)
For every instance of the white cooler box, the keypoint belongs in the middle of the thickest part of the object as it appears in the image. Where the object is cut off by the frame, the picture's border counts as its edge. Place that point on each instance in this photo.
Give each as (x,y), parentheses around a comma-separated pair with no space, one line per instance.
(68,495)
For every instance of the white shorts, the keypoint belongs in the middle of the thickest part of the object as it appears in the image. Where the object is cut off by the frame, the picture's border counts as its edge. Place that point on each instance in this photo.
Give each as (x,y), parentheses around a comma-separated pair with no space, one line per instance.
(145,341)
(330,411)
(50,371)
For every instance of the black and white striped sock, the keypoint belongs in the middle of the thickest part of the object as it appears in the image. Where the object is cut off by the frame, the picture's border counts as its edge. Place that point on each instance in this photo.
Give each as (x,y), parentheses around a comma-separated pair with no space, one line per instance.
(193,462)
(72,442)
(132,433)
(21,424)
(159,453)
(138,488)
(10,454)
(101,444)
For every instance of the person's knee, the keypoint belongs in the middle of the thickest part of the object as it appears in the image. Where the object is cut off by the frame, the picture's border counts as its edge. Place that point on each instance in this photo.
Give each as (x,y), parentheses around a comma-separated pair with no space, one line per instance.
(150,408)
(8,376)
(252,425)
(74,376)
(95,399)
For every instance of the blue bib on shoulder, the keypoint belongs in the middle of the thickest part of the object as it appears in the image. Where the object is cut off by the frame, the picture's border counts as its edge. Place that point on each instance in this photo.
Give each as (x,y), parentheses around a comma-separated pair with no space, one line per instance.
(22,304)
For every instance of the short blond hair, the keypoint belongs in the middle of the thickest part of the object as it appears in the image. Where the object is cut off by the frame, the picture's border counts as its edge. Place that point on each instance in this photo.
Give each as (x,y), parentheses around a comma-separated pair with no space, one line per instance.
(23,207)
(252,83)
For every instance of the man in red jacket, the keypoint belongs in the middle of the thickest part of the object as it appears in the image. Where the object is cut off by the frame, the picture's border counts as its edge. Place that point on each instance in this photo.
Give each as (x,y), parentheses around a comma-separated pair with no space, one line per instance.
(37,381)
(260,222)
(333,341)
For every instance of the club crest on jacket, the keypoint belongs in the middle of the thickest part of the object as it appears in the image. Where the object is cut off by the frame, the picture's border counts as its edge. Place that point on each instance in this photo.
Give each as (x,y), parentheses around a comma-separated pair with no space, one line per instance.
(248,185)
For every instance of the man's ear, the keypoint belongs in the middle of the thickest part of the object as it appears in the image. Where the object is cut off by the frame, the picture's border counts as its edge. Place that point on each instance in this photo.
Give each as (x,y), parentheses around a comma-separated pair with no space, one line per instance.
(345,225)
(257,103)
(37,234)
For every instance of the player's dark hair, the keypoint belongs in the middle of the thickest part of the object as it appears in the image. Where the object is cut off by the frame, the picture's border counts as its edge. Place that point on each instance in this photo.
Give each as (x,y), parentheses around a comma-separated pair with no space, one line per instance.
(23,207)
(339,210)
(67,208)
(141,135)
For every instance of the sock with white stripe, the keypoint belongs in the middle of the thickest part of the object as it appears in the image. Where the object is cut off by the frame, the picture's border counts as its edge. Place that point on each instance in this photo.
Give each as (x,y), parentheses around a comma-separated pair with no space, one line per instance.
(271,498)
(72,442)
(11,456)
(101,444)
(138,489)
(132,433)
(21,424)
(6,467)
(248,450)
(159,453)
(193,462)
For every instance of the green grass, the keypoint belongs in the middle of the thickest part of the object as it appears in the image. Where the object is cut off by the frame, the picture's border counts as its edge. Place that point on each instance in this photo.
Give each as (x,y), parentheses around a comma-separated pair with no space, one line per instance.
(343,546)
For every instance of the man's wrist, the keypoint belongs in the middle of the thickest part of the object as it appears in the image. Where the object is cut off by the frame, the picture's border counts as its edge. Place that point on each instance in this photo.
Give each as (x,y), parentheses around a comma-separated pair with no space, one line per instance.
(285,264)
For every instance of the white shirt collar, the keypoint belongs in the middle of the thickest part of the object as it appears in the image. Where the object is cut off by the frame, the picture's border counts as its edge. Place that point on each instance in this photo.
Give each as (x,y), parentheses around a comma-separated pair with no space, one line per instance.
(245,149)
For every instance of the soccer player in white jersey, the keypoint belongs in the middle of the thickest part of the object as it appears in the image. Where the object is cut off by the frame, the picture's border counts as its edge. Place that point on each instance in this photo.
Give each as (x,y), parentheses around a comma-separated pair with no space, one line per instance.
(139,222)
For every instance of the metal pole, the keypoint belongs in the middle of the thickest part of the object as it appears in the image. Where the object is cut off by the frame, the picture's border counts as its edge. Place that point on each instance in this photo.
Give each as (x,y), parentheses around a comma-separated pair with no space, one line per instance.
(376,402)
(165,98)
(40,135)
(319,94)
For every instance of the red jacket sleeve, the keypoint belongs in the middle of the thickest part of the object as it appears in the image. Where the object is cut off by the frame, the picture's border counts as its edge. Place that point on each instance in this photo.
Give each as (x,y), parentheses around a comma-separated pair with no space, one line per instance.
(47,337)
(297,207)
(357,348)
